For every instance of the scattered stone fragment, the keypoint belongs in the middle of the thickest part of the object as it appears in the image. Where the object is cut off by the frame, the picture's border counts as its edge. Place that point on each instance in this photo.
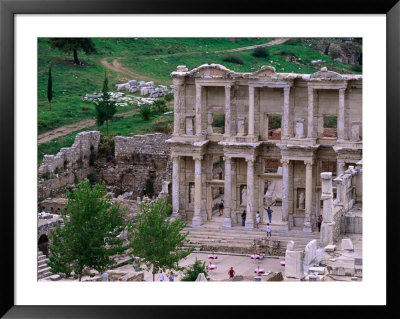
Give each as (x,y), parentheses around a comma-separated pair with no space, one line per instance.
(330,248)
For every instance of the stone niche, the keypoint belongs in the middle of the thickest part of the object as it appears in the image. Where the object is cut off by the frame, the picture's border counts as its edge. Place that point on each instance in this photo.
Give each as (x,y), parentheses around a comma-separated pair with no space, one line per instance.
(299,128)
(189,124)
(355,131)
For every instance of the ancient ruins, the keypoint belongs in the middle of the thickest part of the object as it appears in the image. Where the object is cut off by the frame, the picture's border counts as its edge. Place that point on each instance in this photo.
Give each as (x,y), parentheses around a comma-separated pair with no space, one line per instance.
(254,156)
(252,140)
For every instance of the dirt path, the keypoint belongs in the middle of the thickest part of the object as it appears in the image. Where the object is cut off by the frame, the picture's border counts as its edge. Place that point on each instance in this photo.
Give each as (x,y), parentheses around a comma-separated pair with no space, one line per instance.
(116,66)
(70,128)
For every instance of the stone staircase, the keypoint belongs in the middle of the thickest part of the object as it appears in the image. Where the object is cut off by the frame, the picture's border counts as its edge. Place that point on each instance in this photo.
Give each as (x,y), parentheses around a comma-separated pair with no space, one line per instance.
(238,238)
(43,270)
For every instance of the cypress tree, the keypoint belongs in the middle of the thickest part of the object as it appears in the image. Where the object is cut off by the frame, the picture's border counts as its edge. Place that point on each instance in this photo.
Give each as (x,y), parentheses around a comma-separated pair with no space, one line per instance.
(50,88)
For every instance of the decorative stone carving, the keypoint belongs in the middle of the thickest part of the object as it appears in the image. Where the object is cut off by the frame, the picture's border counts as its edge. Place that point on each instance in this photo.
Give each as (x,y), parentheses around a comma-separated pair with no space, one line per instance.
(301,199)
(189,125)
(241,126)
(299,128)
(243,198)
(191,193)
(210,120)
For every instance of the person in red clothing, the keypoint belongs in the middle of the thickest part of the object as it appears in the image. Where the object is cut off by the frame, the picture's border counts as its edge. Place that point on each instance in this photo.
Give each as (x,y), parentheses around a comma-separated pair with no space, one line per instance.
(231,273)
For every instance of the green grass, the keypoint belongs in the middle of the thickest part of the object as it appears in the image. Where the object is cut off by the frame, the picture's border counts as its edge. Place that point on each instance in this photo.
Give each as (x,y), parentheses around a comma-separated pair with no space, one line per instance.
(71,82)
(125,126)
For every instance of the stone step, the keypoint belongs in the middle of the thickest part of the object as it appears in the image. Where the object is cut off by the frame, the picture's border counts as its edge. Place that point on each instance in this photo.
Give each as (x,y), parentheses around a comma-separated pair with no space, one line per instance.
(44,275)
(43,270)
(42,266)
(41,257)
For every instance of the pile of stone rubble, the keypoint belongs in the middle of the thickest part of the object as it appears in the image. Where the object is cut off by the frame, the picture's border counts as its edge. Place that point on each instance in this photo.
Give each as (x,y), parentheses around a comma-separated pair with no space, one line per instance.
(145,88)
(133,86)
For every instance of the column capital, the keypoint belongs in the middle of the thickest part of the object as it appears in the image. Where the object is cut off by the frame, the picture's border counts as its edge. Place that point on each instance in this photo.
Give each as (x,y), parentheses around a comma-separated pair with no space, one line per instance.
(286,89)
(227,158)
(228,87)
(285,161)
(342,90)
(198,86)
(178,80)
(249,160)
(308,162)
(197,157)
(175,156)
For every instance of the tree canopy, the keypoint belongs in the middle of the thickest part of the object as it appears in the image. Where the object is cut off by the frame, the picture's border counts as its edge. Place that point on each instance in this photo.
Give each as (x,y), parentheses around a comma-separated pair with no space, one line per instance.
(89,237)
(74,44)
(158,240)
(105,106)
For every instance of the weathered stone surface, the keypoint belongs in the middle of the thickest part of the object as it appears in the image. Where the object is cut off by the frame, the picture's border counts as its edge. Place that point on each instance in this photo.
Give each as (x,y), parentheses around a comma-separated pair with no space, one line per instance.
(294,264)
(330,248)
(310,252)
(318,270)
(201,277)
(347,244)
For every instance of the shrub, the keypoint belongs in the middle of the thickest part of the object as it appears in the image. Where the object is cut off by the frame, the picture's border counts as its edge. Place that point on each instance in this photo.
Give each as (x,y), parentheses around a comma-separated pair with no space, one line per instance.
(233,58)
(356,68)
(192,272)
(159,106)
(106,145)
(145,112)
(168,97)
(260,52)
(293,41)
(85,108)
(334,54)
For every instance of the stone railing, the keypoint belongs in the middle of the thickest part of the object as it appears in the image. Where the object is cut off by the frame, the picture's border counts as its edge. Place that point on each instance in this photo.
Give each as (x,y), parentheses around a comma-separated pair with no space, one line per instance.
(85,144)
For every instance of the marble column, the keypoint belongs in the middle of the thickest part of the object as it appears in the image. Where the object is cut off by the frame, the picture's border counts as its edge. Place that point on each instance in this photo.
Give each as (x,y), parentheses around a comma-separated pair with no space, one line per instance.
(327,197)
(175,186)
(251,111)
(227,110)
(307,217)
(197,220)
(178,104)
(285,190)
(227,222)
(340,118)
(310,117)
(286,112)
(198,110)
(250,194)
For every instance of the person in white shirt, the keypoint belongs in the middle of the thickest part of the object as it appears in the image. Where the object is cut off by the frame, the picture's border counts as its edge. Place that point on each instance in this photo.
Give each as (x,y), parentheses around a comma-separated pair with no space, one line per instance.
(161,275)
(258,219)
(268,230)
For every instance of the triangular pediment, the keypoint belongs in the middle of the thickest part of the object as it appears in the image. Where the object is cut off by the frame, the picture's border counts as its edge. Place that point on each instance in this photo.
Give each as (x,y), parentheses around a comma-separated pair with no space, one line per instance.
(211,70)
(324,74)
(266,71)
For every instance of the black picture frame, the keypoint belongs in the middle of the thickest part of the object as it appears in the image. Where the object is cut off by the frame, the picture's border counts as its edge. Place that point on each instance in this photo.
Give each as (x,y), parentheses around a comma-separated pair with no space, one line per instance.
(8,10)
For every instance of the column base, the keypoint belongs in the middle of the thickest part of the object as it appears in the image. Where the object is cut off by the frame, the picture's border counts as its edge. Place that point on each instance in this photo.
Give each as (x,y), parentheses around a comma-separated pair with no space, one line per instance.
(174,216)
(249,224)
(197,221)
(227,222)
(307,228)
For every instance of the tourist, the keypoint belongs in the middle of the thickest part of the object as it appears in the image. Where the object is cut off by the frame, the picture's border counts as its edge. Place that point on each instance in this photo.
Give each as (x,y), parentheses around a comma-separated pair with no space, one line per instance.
(319,222)
(231,273)
(171,276)
(269,211)
(243,217)
(221,208)
(258,218)
(161,275)
(268,230)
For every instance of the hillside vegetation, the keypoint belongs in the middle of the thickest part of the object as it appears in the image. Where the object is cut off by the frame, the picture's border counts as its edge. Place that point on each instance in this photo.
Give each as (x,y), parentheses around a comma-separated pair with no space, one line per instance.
(155,59)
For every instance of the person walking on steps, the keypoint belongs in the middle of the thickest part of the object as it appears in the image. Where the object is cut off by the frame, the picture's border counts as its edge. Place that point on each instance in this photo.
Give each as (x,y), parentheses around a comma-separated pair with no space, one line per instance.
(221,208)
(268,231)
(269,211)
(243,218)
(161,275)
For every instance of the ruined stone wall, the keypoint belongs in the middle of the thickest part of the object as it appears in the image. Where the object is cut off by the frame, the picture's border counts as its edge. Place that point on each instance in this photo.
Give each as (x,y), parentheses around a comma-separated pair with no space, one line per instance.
(137,159)
(86,144)
(337,214)
(68,166)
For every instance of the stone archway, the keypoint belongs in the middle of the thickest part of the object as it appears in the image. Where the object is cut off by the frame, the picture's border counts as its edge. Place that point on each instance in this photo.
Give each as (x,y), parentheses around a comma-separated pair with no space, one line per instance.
(43,244)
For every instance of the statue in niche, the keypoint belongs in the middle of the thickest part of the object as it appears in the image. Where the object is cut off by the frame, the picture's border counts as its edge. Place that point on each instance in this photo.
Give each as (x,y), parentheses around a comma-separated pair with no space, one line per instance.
(301,199)
(244,196)
(241,126)
(191,193)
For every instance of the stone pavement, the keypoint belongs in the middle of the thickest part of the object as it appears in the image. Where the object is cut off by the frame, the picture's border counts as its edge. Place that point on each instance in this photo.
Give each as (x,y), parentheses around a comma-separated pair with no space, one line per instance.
(243,265)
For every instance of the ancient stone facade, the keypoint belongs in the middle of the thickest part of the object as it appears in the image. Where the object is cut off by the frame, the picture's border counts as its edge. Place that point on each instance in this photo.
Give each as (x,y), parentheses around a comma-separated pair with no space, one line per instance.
(248,103)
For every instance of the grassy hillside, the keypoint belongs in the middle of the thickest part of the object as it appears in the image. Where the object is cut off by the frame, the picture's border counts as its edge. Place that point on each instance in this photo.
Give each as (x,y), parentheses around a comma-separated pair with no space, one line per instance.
(154,58)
